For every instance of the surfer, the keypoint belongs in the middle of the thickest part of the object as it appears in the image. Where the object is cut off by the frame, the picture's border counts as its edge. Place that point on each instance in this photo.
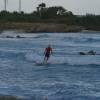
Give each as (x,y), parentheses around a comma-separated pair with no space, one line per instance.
(47,53)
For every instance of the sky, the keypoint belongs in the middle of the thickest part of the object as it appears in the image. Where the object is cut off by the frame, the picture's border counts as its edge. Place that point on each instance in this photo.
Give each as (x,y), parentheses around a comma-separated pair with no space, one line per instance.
(78,7)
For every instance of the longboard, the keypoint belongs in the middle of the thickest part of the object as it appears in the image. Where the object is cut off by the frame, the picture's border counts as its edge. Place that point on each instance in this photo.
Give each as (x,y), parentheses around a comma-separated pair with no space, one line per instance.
(41,64)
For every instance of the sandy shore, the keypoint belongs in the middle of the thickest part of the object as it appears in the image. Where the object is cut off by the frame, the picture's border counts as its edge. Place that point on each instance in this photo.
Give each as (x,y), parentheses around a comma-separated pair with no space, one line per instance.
(40,27)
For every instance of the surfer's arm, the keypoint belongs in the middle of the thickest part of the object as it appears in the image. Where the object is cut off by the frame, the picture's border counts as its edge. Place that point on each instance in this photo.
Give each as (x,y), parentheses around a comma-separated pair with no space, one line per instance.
(51,51)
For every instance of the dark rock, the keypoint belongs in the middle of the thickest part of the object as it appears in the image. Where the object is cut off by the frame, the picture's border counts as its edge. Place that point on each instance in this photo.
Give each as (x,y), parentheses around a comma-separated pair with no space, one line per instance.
(9,37)
(18,36)
(82,53)
(91,52)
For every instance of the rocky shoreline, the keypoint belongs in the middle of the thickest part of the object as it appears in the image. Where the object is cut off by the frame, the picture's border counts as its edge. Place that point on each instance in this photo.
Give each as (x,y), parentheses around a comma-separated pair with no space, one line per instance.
(5,97)
(40,27)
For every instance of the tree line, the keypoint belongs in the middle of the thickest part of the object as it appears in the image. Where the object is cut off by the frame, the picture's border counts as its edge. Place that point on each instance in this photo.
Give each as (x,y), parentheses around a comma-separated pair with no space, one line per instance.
(55,14)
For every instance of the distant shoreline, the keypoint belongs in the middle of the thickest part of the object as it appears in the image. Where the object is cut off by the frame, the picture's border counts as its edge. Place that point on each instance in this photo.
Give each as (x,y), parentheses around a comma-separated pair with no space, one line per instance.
(42,27)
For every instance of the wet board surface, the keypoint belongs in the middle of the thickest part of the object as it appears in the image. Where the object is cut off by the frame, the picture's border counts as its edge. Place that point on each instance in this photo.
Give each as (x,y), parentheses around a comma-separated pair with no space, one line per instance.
(41,64)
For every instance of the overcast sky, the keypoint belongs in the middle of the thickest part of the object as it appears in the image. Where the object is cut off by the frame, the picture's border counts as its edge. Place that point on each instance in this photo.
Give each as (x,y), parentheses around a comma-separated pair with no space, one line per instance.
(76,6)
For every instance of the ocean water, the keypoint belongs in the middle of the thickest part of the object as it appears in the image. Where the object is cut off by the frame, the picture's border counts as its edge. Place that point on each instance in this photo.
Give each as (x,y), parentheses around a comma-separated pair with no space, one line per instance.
(67,76)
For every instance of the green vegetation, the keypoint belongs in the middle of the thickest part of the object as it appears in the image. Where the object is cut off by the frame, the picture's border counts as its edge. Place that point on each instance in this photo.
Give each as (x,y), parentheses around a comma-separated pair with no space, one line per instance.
(43,14)
(89,21)
(55,14)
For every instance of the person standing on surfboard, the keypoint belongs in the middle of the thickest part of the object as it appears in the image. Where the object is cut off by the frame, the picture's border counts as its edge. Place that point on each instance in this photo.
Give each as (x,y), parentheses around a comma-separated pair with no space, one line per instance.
(48,52)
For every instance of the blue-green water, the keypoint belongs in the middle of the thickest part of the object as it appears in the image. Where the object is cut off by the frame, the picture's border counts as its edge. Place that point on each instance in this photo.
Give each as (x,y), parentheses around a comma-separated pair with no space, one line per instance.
(68,76)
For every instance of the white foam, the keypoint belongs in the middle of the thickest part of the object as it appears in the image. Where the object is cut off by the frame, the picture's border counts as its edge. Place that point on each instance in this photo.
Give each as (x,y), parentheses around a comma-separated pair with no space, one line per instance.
(33,57)
(74,60)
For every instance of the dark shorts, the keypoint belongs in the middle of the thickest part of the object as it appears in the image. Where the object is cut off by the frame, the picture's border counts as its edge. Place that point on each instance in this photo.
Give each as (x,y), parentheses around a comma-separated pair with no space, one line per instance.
(47,55)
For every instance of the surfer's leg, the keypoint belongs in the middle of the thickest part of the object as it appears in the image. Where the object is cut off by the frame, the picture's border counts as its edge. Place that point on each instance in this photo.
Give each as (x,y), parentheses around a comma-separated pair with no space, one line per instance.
(48,56)
(45,59)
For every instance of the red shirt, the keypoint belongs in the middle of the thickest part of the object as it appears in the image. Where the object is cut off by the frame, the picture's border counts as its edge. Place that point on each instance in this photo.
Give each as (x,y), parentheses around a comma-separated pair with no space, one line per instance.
(48,50)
